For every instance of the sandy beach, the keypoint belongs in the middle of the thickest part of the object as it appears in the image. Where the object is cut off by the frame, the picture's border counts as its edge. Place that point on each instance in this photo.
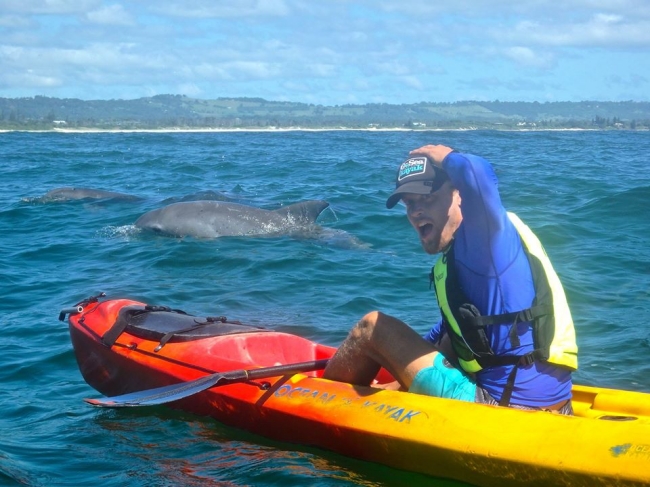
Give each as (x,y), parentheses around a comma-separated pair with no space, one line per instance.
(290,129)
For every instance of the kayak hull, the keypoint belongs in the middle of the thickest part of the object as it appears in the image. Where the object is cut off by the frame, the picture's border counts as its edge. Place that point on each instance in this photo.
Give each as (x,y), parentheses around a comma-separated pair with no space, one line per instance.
(606,443)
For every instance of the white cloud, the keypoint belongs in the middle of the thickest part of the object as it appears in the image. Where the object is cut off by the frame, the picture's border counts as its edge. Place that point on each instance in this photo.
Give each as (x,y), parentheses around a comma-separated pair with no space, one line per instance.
(320,70)
(59,7)
(599,30)
(526,56)
(29,79)
(393,67)
(413,82)
(223,8)
(15,21)
(189,89)
(110,15)
(633,80)
(101,64)
(234,71)
(494,9)
(324,52)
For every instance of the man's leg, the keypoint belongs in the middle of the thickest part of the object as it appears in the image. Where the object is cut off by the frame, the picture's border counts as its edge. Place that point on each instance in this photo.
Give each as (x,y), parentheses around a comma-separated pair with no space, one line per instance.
(380,340)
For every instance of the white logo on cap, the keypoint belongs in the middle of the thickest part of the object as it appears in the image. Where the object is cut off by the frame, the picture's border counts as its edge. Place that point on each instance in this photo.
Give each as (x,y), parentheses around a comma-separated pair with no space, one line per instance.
(412,167)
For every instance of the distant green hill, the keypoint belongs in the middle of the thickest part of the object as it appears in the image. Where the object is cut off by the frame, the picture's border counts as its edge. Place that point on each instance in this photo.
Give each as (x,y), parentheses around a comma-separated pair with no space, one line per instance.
(167,111)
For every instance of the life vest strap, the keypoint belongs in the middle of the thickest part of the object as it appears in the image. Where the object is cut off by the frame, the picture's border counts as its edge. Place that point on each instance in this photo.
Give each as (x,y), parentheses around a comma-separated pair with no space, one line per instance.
(486,361)
(523,316)
(507,390)
(517,361)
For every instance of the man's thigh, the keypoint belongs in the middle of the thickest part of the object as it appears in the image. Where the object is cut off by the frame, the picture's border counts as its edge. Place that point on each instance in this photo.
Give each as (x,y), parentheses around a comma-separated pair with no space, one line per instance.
(403,351)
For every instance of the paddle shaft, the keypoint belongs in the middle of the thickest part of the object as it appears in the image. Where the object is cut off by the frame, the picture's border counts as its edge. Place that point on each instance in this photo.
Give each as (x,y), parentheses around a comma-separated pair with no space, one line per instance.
(174,392)
(274,371)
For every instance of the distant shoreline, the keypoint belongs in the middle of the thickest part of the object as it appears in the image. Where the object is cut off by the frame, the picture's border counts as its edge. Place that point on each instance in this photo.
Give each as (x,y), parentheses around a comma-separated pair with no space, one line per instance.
(299,129)
(177,113)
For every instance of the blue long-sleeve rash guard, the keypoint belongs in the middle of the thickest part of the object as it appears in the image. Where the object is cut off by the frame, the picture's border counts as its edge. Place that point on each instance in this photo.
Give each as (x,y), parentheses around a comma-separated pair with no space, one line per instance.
(495,276)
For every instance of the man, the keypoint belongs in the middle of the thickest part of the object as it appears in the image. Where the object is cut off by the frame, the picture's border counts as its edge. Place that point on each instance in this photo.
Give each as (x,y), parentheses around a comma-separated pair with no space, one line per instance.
(505,323)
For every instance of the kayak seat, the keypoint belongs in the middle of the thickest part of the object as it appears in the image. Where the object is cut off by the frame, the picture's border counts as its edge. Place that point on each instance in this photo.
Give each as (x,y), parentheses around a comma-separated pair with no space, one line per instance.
(169,325)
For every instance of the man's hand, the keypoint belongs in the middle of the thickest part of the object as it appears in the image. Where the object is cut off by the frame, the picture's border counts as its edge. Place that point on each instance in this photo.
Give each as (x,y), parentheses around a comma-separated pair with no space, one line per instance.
(436,153)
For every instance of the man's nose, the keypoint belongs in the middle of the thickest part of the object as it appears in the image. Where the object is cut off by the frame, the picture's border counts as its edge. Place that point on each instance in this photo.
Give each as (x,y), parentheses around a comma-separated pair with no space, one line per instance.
(415,208)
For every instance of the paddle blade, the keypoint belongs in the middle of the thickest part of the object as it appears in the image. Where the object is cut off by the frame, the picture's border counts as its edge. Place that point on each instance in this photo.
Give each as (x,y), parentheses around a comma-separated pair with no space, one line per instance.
(159,395)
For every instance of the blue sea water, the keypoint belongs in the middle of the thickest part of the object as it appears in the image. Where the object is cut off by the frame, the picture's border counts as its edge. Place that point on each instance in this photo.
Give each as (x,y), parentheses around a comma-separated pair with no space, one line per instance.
(585,193)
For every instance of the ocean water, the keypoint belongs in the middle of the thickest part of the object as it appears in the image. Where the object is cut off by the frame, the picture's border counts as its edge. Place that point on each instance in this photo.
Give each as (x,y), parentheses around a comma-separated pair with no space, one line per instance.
(585,193)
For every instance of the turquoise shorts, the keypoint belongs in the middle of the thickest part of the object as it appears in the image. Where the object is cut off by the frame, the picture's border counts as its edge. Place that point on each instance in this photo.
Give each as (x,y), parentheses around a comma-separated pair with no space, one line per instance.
(443,380)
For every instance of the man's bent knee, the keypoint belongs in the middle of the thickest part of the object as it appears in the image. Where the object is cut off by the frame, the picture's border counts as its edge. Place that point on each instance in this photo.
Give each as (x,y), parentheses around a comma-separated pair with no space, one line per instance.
(366,325)
(371,319)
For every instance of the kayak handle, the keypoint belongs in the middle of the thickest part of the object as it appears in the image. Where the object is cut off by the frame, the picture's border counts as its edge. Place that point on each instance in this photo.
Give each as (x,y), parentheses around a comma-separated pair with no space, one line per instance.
(70,311)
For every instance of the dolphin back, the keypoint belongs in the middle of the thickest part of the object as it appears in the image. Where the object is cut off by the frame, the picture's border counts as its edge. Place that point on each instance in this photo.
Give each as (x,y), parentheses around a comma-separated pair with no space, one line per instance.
(303,212)
(75,193)
(212,219)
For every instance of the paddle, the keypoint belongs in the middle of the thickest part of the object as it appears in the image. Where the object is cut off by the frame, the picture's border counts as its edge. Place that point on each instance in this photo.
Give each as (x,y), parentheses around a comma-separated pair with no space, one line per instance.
(174,392)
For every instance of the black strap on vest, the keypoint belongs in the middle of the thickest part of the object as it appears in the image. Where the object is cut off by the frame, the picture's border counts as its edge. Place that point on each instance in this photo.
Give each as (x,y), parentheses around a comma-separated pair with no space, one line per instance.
(525,315)
(507,390)
(517,361)
(486,361)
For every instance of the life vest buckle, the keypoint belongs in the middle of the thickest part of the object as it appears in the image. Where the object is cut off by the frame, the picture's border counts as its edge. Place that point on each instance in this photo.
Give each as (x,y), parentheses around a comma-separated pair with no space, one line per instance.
(527,359)
(525,315)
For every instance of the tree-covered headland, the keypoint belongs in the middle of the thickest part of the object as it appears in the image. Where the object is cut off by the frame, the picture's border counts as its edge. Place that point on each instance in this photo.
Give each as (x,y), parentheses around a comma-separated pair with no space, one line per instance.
(181,112)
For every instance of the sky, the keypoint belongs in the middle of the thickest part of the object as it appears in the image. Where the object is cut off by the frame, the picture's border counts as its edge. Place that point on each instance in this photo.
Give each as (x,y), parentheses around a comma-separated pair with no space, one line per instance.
(327,52)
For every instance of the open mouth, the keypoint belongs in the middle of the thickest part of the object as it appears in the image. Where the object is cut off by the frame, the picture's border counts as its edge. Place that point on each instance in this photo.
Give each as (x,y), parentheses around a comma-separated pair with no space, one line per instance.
(425,230)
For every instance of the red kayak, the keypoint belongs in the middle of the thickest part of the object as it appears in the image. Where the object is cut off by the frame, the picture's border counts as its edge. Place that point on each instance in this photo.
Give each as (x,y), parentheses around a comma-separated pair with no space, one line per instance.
(271,383)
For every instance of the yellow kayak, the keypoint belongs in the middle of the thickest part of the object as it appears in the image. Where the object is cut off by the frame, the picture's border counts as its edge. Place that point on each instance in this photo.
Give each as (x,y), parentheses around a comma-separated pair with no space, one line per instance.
(123,347)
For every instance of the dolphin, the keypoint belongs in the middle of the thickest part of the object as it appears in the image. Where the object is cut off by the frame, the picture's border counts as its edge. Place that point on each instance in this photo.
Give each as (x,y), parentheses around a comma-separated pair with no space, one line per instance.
(199,196)
(70,193)
(213,219)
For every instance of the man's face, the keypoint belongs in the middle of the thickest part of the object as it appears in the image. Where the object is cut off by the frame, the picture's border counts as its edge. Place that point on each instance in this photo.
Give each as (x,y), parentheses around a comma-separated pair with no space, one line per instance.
(435,216)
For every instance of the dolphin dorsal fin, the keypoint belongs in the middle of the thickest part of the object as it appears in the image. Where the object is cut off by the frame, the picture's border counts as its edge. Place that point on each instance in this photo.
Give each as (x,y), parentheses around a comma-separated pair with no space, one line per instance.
(304,211)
